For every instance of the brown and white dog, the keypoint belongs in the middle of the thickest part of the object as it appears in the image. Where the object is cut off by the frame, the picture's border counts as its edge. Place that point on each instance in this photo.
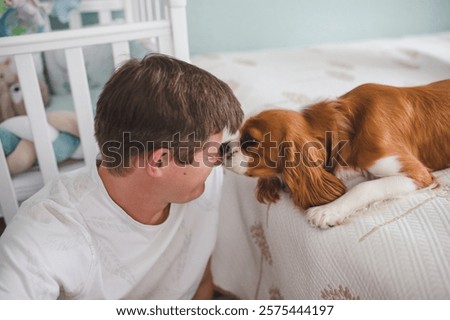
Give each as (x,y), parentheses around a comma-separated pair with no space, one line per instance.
(336,157)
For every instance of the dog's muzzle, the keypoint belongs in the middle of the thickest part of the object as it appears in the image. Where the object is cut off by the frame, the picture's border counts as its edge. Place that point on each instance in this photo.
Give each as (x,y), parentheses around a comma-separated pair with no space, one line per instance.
(228,149)
(232,157)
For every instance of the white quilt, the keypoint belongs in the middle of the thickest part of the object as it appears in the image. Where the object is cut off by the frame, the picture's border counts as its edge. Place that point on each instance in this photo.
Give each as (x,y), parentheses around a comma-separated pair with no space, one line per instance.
(399,249)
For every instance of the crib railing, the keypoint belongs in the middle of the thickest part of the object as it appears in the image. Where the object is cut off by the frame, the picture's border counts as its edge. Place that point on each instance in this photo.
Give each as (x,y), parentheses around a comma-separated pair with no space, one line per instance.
(171,35)
(105,11)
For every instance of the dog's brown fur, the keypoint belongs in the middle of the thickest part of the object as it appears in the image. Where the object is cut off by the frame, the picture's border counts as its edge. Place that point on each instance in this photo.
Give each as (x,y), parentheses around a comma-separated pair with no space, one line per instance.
(377,121)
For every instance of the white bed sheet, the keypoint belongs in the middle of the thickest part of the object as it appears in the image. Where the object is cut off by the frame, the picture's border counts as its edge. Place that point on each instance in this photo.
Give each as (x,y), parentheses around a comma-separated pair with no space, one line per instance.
(292,78)
(399,249)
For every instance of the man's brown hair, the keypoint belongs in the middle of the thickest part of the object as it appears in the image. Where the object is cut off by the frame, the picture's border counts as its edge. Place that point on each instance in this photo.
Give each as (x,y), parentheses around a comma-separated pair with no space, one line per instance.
(160,101)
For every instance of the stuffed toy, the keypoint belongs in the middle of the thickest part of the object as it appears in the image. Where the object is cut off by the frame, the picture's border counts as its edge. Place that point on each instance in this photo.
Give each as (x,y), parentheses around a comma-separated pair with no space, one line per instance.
(17,140)
(11,98)
(30,16)
(15,131)
(7,78)
(5,100)
(18,105)
(61,9)
(27,10)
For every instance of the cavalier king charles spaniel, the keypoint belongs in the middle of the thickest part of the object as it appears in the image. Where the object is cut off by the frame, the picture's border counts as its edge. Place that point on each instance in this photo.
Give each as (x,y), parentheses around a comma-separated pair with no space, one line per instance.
(337,157)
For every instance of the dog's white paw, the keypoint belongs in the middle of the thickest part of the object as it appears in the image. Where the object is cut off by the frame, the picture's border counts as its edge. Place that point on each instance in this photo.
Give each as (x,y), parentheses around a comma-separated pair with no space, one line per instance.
(325,216)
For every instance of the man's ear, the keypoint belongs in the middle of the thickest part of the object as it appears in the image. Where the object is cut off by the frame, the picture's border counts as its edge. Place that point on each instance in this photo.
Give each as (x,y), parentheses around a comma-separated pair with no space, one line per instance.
(157,161)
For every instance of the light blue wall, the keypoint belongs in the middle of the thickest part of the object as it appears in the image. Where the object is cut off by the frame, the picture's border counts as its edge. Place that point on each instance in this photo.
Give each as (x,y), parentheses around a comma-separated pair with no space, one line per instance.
(231,25)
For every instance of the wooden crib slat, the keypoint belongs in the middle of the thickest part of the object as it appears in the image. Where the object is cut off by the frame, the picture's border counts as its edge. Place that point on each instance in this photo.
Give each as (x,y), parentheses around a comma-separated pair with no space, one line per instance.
(165,11)
(104,17)
(179,31)
(129,13)
(156,4)
(148,9)
(82,101)
(36,114)
(143,12)
(165,45)
(121,52)
(74,20)
(8,198)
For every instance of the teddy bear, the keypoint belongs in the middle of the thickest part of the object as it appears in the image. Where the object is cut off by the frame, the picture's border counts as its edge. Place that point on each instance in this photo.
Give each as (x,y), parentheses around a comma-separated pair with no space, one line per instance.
(7,78)
(18,105)
(11,99)
(15,131)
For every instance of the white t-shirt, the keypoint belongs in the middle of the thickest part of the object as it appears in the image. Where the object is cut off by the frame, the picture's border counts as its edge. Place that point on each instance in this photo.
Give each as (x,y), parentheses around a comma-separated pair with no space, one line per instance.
(71,241)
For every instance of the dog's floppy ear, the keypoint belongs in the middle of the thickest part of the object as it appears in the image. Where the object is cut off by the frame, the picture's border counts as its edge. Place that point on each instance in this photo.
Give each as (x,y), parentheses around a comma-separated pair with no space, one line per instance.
(303,173)
(268,190)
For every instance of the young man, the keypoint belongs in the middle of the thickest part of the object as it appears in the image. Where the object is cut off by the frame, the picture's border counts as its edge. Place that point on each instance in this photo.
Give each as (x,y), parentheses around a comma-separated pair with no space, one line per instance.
(142,223)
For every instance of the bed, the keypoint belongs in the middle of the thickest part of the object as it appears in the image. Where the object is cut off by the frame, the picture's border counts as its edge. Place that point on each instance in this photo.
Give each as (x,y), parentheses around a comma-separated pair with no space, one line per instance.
(399,249)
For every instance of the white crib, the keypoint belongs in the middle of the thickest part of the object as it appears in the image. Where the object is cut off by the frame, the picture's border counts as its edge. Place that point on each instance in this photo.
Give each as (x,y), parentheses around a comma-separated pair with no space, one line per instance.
(163,21)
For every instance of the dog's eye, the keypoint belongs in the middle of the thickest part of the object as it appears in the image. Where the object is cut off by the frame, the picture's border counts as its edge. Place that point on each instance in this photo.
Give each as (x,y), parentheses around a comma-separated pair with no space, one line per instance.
(247,141)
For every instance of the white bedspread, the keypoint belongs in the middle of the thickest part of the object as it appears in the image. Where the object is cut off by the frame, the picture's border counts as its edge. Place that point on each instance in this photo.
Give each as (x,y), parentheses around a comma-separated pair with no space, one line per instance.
(399,249)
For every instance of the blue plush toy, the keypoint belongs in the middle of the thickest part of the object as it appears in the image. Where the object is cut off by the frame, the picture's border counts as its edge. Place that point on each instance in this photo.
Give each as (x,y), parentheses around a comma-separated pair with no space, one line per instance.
(17,140)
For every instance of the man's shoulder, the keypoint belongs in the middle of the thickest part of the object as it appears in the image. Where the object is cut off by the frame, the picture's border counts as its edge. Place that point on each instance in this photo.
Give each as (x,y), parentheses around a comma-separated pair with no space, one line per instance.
(59,199)
(66,188)
(47,239)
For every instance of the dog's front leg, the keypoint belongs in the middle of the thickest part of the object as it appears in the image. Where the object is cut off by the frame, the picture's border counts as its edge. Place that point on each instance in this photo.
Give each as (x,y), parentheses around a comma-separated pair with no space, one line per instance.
(357,198)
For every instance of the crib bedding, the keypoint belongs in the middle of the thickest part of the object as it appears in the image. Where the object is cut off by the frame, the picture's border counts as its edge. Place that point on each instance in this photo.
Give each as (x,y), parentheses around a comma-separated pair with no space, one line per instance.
(397,249)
